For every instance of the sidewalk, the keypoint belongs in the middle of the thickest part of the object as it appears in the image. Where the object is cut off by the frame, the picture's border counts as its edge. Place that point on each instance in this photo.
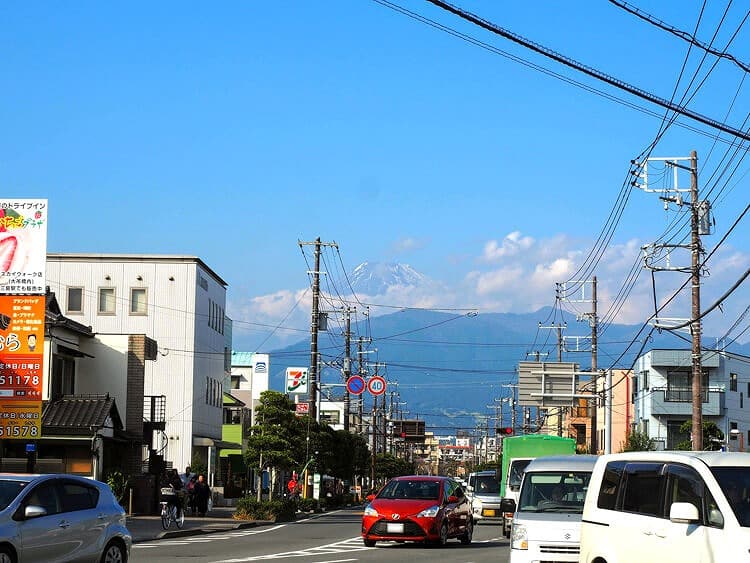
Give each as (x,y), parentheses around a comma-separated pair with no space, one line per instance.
(219,519)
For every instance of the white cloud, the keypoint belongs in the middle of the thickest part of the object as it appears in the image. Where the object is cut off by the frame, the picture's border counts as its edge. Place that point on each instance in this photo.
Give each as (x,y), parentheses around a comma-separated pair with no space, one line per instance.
(407,244)
(526,281)
(511,245)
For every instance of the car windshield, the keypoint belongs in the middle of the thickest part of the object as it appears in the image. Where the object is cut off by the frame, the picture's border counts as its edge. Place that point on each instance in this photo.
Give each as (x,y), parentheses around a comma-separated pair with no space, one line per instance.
(735,482)
(406,489)
(486,485)
(8,491)
(517,467)
(554,492)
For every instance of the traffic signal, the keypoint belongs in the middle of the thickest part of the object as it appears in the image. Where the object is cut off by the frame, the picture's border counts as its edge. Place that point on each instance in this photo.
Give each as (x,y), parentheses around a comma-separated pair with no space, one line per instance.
(505,431)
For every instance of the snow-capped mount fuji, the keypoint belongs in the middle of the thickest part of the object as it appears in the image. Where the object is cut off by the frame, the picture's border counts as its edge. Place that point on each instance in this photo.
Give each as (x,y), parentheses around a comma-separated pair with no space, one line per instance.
(375,278)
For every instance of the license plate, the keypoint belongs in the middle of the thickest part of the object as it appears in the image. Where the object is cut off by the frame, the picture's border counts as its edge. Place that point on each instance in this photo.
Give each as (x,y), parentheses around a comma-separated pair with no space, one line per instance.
(487,512)
(394,528)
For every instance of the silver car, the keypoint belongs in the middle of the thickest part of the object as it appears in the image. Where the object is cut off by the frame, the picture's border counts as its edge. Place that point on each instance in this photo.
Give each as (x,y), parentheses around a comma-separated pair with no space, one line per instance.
(53,518)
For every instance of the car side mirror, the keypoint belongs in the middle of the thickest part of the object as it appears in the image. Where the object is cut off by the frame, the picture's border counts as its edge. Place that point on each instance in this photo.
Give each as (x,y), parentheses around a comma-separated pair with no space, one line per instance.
(33,511)
(683,512)
(508,505)
(370,498)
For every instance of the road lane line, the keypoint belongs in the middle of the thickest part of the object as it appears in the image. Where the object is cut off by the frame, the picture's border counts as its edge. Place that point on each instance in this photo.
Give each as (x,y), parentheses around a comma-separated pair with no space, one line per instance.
(338,547)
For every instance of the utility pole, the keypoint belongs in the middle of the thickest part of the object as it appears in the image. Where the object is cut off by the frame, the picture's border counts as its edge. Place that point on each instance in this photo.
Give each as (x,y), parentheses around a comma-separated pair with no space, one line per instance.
(360,371)
(560,346)
(700,224)
(314,326)
(594,323)
(512,405)
(695,321)
(347,365)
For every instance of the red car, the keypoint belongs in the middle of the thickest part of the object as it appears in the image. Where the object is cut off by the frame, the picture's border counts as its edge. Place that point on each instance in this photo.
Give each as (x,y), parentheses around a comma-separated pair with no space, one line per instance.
(418,508)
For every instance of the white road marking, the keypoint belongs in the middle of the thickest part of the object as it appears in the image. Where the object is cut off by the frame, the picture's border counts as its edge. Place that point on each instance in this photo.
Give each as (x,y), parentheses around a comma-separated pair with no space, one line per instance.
(343,546)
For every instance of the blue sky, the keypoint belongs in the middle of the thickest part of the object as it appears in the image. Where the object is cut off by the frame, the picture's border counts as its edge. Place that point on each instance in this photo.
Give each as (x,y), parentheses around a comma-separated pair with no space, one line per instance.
(231,131)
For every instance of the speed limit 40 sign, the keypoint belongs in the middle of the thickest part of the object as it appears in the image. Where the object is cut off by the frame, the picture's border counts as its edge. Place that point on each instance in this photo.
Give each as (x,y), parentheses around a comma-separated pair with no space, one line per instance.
(376,385)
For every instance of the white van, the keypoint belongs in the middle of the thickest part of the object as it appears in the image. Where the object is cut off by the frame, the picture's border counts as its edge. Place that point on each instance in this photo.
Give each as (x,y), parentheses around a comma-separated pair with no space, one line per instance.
(483,490)
(547,519)
(667,506)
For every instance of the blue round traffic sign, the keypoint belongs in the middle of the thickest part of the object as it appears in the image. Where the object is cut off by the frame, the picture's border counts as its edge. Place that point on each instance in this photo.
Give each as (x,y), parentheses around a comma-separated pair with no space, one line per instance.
(355,384)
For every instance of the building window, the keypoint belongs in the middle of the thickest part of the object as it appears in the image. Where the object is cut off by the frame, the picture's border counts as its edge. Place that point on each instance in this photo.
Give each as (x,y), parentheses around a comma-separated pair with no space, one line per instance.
(63,376)
(138,301)
(742,401)
(106,301)
(580,430)
(75,300)
(733,382)
(644,373)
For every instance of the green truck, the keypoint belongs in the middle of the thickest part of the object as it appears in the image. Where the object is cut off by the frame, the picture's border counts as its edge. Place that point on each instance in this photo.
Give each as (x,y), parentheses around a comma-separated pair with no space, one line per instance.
(517,452)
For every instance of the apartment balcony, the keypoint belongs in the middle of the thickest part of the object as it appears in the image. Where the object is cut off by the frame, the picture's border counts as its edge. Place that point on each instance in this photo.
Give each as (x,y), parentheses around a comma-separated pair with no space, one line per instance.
(679,401)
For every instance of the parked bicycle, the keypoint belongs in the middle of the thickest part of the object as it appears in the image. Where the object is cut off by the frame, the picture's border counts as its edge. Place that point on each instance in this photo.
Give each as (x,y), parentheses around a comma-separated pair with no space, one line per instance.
(171,508)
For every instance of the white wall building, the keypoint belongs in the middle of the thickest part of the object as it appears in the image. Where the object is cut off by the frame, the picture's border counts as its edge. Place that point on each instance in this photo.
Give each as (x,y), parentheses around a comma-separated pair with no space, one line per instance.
(179,302)
(249,378)
(662,395)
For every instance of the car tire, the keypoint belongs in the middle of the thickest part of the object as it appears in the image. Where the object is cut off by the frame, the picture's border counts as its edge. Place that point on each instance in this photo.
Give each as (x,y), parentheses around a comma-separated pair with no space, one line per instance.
(443,537)
(369,543)
(6,555)
(114,553)
(468,534)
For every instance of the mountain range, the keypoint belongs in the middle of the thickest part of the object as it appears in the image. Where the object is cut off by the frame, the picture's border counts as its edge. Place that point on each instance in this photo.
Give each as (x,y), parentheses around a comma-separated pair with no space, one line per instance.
(450,369)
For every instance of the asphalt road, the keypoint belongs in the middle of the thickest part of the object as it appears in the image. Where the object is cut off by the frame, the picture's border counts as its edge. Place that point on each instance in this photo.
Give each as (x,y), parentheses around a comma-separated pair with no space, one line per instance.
(323,538)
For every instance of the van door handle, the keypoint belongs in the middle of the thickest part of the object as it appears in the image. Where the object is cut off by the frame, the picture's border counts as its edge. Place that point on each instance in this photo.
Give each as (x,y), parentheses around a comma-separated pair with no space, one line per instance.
(648,532)
(660,534)
(64,524)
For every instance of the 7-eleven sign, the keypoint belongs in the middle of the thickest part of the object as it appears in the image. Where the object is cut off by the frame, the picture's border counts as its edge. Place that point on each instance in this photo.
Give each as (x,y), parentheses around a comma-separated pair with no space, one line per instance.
(296,381)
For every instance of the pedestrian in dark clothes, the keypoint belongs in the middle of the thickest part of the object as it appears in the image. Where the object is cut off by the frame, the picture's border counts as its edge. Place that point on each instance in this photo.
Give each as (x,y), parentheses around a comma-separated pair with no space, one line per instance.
(201,493)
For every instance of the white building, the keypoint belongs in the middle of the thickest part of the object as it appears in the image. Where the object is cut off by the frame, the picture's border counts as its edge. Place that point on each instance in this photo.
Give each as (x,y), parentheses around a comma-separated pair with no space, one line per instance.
(662,395)
(179,302)
(249,378)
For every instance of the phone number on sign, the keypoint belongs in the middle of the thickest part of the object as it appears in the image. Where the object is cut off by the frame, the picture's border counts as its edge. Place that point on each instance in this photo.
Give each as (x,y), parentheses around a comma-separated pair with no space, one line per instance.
(25,380)
(19,431)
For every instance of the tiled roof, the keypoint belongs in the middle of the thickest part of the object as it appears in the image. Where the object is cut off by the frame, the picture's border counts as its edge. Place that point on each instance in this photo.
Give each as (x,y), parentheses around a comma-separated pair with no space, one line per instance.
(79,414)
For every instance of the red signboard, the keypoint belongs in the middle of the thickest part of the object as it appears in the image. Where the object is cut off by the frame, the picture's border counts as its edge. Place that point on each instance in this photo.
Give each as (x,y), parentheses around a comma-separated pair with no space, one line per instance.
(21,361)
(302,408)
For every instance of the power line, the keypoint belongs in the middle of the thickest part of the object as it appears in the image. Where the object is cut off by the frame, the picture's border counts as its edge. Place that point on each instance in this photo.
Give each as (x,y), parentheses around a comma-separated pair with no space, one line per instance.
(567,61)
(684,35)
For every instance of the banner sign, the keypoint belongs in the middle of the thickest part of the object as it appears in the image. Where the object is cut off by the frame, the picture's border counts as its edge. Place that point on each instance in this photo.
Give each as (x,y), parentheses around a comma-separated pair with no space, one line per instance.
(296,381)
(21,361)
(23,246)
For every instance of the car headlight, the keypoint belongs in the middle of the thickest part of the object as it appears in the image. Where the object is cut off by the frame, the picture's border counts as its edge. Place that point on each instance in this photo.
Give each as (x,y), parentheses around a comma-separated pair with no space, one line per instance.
(519,539)
(429,512)
(476,505)
(370,511)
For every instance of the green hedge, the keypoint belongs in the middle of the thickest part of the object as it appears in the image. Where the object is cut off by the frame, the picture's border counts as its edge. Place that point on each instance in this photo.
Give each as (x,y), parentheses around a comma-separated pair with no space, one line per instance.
(307,504)
(279,510)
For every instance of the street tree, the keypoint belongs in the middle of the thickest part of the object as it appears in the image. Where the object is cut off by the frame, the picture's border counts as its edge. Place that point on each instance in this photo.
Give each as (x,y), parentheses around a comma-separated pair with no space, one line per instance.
(713,437)
(276,441)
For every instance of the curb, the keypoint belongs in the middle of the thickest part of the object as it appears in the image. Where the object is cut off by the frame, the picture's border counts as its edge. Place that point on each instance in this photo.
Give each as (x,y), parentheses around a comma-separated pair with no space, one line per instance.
(170,534)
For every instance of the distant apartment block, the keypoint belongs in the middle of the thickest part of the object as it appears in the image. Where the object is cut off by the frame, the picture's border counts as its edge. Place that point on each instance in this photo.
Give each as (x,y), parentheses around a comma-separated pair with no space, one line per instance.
(662,396)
